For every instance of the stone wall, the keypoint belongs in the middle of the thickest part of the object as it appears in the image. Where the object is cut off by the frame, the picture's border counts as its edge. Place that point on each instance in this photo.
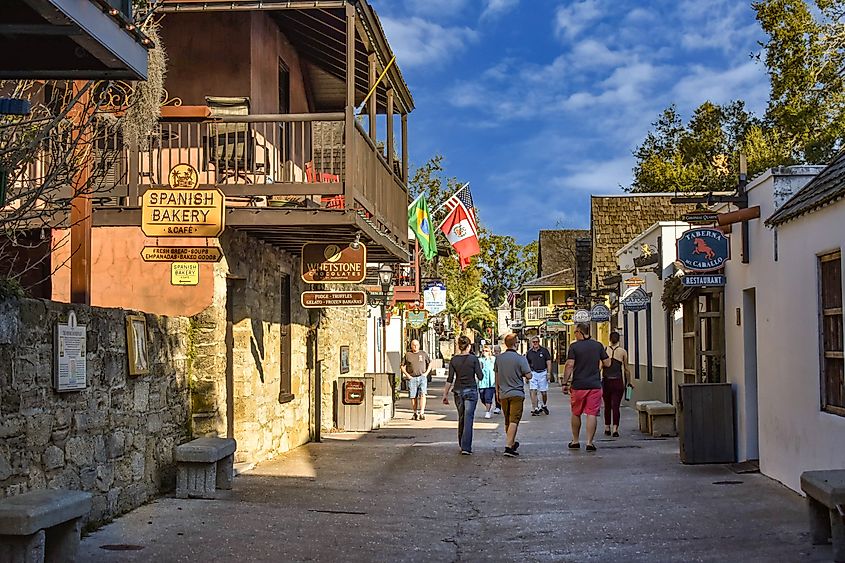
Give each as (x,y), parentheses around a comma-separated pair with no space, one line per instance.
(115,438)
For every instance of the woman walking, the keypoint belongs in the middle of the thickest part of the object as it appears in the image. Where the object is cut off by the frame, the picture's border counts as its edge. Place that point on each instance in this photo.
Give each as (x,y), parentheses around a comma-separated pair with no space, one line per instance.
(487,386)
(464,370)
(615,378)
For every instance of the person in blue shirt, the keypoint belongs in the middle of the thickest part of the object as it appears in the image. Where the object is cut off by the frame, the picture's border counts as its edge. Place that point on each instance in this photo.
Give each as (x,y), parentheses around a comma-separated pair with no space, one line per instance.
(487,386)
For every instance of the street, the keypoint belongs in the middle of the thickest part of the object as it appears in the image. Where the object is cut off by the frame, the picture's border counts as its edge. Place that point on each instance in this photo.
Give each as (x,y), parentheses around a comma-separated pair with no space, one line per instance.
(403,493)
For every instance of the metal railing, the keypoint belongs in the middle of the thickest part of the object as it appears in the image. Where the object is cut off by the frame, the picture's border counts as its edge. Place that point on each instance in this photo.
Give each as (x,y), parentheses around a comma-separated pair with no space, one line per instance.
(538,314)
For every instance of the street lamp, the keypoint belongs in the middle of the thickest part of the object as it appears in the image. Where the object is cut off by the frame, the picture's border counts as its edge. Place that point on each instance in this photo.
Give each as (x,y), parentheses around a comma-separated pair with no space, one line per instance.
(385,280)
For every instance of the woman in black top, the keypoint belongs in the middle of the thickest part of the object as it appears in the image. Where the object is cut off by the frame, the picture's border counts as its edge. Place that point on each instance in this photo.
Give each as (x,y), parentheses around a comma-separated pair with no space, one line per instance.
(464,372)
(614,380)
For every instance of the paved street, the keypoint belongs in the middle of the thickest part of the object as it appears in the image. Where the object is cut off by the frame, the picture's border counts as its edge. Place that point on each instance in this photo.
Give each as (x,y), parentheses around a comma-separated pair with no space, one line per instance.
(404,493)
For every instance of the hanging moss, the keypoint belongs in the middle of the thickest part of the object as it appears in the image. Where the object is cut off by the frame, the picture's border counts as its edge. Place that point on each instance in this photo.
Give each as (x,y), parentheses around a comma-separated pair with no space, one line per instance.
(144,111)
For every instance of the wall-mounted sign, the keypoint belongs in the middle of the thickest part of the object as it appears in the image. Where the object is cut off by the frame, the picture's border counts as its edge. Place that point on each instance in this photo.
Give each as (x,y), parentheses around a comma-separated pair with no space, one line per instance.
(320,299)
(700,217)
(416,319)
(184,273)
(635,299)
(711,280)
(183,213)
(181,254)
(634,282)
(332,263)
(581,316)
(69,356)
(703,250)
(567,317)
(434,298)
(184,177)
(600,313)
(353,392)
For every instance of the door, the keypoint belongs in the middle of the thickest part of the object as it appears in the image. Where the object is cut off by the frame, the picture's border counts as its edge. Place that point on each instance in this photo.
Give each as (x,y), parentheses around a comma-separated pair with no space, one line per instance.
(749,338)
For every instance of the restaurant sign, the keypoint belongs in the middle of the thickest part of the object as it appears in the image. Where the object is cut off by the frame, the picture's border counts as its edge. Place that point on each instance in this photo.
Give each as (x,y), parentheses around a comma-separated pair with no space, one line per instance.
(704,280)
(416,318)
(581,316)
(635,299)
(183,213)
(320,299)
(332,263)
(703,250)
(600,313)
(181,254)
(567,317)
(634,281)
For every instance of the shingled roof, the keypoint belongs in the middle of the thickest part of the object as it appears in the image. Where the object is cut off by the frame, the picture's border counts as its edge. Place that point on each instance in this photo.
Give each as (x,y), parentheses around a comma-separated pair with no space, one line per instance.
(556,256)
(824,189)
(616,220)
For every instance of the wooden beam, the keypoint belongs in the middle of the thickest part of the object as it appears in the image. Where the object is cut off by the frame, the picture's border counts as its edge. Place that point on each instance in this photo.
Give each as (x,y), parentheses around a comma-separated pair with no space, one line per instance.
(349,183)
(745,214)
(405,148)
(81,208)
(371,104)
(389,146)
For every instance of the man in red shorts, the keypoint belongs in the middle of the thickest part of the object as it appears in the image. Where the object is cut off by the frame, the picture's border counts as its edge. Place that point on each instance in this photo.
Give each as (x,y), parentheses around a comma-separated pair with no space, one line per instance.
(583,363)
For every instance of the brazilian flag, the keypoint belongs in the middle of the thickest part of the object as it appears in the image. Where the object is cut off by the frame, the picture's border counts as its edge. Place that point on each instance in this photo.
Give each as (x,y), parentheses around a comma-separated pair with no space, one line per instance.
(420,222)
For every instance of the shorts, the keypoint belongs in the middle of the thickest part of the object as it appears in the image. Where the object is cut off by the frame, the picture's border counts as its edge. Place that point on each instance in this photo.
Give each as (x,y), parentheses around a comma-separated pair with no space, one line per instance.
(487,394)
(539,381)
(585,401)
(418,384)
(512,409)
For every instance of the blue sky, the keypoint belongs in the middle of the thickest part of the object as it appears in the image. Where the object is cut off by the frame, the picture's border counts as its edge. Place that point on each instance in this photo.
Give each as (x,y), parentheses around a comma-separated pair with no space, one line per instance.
(539,103)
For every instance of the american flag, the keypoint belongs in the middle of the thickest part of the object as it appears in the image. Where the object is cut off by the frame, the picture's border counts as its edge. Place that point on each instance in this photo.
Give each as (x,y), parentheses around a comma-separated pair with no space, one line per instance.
(463,197)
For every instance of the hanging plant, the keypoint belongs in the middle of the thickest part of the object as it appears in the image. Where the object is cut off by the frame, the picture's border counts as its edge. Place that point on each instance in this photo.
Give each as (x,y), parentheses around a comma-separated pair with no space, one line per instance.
(673,291)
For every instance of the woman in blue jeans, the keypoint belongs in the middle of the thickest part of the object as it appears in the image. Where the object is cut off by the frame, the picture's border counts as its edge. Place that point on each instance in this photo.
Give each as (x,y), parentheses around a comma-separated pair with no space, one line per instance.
(464,371)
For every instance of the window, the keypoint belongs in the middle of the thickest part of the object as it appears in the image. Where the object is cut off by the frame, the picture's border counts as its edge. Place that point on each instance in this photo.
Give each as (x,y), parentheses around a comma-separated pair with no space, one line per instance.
(285,389)
(832,380)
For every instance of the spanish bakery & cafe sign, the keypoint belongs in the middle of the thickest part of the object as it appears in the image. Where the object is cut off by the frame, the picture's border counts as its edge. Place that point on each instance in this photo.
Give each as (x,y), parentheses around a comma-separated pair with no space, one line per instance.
(703,250)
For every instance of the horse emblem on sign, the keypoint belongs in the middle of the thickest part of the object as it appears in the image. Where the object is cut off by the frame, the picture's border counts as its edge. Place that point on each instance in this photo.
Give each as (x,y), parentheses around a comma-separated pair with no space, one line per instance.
(703,250)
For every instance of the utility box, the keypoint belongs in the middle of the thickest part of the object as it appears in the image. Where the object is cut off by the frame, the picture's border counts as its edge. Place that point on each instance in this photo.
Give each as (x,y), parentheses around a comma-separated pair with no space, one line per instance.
(355,404)
(383,395)
(706,423)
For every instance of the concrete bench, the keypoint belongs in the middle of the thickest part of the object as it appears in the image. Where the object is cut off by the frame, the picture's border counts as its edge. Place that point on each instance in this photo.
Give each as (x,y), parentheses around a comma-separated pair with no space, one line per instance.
(661,419)
(42,525)
(643,415)
(203,466)
(826,504)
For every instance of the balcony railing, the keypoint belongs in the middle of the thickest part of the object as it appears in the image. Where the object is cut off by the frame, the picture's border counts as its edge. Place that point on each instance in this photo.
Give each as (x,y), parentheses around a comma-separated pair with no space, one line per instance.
(538,314)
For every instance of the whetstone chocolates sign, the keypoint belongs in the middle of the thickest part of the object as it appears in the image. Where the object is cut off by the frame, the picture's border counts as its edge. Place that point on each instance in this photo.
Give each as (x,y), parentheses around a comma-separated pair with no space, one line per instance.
(703,250)
(331,263)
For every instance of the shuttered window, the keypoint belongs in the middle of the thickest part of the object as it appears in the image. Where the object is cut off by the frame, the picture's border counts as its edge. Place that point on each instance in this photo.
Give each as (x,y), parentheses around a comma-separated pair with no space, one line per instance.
(832,378)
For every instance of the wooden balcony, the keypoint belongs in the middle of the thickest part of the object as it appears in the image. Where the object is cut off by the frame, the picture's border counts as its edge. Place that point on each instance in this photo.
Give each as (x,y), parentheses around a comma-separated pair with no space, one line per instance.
(287,179)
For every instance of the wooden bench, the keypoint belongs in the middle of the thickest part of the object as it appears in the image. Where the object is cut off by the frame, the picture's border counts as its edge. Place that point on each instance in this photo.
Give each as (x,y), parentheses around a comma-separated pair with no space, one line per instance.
(643,415)
(203,466)
(826,504)
(661,419)
(42,525)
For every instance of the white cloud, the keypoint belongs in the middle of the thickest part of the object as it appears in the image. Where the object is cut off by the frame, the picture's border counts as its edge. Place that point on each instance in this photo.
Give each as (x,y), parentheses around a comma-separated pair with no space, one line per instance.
(418,42)
(497,7)
(746,81)
(572,19)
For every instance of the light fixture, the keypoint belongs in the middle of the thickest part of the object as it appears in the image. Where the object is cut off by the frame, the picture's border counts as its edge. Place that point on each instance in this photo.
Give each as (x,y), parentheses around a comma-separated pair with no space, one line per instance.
(385,277)
(355,243)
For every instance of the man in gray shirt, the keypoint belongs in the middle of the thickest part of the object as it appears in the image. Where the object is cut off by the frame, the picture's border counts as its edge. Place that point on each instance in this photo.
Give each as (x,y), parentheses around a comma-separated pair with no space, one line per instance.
(512,371)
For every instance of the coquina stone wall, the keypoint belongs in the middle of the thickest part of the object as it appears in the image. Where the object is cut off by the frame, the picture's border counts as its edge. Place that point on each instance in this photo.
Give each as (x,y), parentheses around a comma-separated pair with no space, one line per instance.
(115,438)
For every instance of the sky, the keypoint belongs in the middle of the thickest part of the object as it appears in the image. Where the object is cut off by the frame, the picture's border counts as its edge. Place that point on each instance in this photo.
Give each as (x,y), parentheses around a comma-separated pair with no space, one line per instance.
(540,103)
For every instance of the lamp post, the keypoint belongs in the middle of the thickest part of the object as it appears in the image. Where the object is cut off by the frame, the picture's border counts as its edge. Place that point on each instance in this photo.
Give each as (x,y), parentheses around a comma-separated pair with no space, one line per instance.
(385,280)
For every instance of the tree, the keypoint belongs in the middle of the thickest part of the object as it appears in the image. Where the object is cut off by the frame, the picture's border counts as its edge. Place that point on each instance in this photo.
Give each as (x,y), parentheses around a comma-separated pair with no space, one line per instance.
(505,264)
(465,301)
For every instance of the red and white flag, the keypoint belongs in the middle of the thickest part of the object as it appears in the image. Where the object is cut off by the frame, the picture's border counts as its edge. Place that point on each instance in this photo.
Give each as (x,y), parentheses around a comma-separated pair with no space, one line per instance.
(460,228)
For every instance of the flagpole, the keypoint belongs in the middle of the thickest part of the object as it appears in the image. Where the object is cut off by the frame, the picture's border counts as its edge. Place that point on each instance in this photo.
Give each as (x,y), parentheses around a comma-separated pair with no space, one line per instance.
(439,207)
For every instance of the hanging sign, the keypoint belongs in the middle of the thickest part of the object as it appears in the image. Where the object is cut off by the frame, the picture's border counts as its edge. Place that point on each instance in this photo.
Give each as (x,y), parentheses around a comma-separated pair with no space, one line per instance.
(184,273)
(600,313)
(649,256)
(69,360)
(183,213)
(434,298)
(567,317)
(711,280)
(181,254)
(634,282)
(416,319)
(581,316)
(703,250)
(332,263)
(635,299)
(555,326)
(700,217)
(320,299)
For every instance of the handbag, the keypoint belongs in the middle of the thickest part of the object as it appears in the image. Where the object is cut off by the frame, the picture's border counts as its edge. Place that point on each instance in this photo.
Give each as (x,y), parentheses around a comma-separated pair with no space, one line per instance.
(629,392)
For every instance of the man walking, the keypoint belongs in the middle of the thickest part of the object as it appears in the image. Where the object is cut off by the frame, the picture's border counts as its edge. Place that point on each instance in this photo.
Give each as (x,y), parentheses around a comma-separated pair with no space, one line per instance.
(415,369)
(540,361)
(512,370)
(582,370)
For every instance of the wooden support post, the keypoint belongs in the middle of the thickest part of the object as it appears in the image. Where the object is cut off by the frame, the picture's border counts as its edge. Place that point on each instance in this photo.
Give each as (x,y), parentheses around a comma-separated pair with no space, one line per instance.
(371,103)
(80,210)
(405,148)
(389,146)
(350,134)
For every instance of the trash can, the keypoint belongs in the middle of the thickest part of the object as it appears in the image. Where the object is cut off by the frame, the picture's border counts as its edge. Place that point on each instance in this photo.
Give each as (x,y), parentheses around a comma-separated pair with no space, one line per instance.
(355,403)
(706,423)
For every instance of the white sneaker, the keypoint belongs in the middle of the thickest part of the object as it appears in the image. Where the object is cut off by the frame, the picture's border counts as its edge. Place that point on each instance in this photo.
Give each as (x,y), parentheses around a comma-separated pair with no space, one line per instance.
(487,414)
(497,410)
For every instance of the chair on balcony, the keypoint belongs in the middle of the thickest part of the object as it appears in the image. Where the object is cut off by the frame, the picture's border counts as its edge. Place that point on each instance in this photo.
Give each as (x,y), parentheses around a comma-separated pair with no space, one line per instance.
(231,146)
(330,202)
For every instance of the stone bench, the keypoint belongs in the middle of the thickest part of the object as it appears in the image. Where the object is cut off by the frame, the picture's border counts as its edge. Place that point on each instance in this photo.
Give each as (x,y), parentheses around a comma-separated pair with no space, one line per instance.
(643,415)
(661,419)
(203,466)
(826,504)
(42,525)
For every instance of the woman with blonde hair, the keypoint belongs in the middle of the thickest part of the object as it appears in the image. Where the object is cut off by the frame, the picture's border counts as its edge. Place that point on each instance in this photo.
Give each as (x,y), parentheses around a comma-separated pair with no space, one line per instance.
(487,386)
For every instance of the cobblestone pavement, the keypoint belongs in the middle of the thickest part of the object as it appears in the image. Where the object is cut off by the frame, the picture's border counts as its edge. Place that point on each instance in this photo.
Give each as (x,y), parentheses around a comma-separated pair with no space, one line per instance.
(404,493)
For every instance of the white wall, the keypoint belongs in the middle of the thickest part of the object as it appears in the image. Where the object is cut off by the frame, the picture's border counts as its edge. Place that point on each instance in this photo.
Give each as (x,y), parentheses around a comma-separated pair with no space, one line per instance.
(792,434)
